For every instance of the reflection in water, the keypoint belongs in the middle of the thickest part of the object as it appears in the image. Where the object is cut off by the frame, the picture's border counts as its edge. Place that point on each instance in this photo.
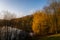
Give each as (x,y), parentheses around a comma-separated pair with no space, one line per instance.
(9,33)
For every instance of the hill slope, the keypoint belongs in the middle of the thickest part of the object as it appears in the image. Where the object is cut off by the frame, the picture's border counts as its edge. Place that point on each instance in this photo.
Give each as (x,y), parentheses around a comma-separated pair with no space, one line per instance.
(51,37)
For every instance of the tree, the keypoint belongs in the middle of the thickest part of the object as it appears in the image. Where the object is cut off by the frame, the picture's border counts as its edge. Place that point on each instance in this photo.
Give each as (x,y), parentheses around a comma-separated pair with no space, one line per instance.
(23,23)
(53,9)
(8,15)
(40,25)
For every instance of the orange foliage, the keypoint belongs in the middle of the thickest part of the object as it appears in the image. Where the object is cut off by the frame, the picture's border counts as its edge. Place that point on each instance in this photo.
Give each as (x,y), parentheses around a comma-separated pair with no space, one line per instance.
(39,20)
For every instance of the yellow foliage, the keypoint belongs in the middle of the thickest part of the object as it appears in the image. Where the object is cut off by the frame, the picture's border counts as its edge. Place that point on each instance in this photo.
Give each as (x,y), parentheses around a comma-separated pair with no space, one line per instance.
(43,23)
(38,19)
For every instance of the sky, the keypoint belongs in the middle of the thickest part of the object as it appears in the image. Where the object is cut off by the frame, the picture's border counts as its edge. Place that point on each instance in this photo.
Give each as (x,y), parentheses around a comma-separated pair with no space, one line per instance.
(21,7)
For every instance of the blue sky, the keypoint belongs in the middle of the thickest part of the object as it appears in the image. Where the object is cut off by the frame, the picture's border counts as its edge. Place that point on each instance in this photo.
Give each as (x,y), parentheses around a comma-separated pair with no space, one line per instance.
(22,7)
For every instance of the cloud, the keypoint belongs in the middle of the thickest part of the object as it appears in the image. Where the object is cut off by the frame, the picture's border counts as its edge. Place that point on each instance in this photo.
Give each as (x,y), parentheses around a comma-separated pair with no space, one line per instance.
(20,14)
(1,15)
(3,6)
(32,11)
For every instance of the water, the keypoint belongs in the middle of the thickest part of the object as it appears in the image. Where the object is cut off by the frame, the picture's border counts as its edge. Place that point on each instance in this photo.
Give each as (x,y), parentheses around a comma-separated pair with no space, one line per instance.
(9,33)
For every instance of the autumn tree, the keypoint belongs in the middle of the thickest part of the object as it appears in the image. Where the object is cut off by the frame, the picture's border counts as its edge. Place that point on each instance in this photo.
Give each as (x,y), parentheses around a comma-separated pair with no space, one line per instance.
(54,9)
(40,24)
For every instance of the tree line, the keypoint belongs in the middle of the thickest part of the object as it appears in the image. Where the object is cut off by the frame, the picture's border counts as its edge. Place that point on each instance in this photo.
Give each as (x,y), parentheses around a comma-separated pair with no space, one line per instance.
(40,23)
